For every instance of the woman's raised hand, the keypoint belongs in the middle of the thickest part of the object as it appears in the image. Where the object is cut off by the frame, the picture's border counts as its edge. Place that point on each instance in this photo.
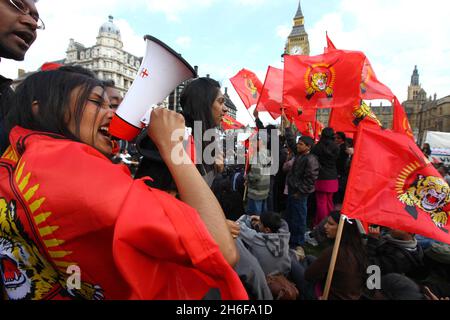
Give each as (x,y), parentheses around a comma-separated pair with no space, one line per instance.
(166,129)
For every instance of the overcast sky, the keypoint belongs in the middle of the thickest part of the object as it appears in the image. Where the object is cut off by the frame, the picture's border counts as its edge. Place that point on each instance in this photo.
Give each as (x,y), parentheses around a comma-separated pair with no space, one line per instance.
(223,36)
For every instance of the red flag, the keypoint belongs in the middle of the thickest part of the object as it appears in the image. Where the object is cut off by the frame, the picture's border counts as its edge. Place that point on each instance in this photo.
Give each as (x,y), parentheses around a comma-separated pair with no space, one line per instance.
(94,222)
(228,123)
(330,44)
(391,183)
(50,66)
(311,129)
(401,122)
(271,99)
(348,119)
(325,81)
(371,87)
(248,86)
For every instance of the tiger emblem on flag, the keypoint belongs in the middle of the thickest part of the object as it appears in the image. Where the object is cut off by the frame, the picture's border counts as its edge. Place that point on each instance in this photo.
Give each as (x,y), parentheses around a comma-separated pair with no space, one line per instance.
(251,87)
(364,111)
(24,272)
(320,78)
(432,195)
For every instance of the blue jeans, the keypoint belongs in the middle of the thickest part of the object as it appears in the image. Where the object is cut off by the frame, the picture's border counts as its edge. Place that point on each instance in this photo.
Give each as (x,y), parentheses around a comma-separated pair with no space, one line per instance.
(297,209)
(256,207)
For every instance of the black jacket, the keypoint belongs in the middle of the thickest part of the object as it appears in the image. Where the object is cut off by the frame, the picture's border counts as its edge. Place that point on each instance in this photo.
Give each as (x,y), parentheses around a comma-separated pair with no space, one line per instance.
(327,155)
(303,175)
(392,257)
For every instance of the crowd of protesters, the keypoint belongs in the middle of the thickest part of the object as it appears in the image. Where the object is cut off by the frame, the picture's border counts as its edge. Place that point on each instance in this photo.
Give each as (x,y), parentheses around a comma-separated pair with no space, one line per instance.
(232,233)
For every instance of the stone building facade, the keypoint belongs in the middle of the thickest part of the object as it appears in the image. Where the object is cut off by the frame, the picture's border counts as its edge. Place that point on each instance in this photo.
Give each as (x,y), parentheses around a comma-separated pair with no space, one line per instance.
(106,58)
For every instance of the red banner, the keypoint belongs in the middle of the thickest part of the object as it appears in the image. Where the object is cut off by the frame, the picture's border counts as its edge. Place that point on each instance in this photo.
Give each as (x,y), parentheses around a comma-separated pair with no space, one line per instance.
(53,223)
(248,87)
(371,87)
(391,183)
(401,122)
(271,99)
(348,119)
(311,129)
(330,80)
(228,123)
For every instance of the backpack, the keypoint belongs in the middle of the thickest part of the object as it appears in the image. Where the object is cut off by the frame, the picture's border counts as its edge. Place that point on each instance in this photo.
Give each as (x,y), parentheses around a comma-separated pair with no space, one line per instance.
(281,287)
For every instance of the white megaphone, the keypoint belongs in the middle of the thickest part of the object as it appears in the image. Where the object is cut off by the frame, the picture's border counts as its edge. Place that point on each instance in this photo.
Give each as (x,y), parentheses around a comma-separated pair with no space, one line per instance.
(161,71)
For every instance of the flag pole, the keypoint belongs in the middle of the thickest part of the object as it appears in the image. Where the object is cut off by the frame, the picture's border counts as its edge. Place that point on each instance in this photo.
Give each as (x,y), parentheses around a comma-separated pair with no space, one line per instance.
(337,243)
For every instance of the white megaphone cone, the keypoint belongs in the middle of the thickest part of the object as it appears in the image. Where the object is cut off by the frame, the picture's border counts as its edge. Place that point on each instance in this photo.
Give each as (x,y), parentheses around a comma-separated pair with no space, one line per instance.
(161,71)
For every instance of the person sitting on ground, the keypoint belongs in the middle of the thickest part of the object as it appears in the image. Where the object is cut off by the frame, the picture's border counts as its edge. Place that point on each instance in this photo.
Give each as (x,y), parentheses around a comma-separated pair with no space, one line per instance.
(267,238)
(349,278)
(395,286)
(395,252)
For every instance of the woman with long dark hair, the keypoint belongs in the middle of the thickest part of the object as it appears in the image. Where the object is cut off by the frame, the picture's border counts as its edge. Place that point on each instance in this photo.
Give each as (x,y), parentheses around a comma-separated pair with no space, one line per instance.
(327,153)
(66,210)
(203,107)
(350,270)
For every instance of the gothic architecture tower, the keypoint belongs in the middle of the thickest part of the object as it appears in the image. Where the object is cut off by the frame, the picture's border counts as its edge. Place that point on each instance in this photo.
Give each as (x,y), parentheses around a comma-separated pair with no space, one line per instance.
(297,42)
(416,98)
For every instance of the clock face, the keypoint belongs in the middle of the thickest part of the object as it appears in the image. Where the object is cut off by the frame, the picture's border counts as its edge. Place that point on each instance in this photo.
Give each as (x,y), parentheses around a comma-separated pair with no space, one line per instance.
(296,50)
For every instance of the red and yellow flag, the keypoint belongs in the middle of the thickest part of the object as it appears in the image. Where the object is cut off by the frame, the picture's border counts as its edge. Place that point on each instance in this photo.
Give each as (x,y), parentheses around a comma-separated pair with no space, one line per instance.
(348,119)
(228,123)
(371,87)
(330,45)
(330,80)
(391,183)
(94,223)
(311,129)
(401,122)
(248,87)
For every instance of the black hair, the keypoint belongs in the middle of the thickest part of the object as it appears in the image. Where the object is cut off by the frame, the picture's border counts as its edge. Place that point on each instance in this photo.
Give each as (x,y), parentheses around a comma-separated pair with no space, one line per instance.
(396,286)
(352,241)
(306,140)
(78,69)
(109,83)
(196,101)
(426,149)
(349,142)
(341,135)
(53,92)
(271,220)
(326,144)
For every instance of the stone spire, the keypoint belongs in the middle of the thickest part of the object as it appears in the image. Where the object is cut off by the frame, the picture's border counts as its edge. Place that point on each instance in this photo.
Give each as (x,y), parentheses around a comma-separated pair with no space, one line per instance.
(299,13)
(415,77)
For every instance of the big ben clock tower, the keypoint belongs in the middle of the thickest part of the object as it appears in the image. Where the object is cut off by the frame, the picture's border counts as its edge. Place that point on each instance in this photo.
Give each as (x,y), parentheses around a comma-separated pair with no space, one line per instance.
(297,42)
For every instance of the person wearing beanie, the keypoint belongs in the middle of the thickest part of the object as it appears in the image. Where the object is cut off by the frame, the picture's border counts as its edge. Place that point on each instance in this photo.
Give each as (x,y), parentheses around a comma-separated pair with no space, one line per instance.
(301,183)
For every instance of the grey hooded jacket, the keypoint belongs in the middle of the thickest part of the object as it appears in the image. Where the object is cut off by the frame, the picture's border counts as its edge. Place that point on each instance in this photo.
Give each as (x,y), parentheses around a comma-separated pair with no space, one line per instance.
(270,249)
